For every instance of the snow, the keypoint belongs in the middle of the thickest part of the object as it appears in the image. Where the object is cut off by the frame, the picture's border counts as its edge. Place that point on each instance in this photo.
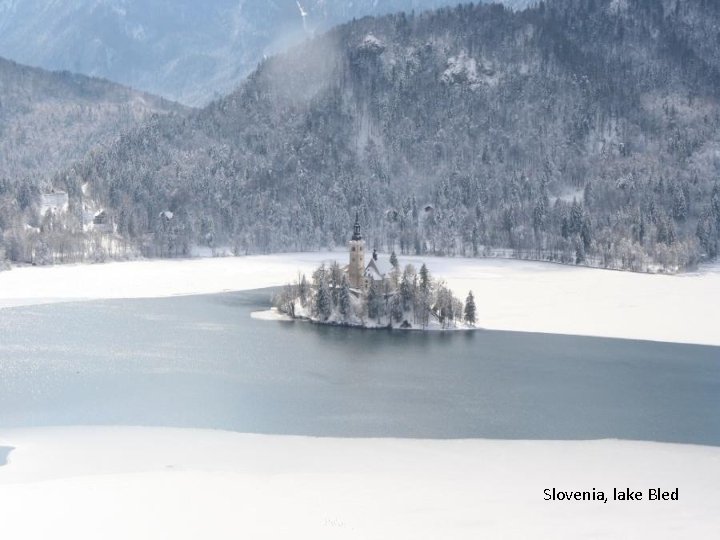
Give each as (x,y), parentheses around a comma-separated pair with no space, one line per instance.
(372,44)
(157,483)
(271,315)
(510,295)
(463,69)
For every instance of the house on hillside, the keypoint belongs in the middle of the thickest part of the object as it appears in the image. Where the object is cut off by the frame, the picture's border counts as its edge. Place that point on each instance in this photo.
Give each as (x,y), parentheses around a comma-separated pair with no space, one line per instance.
(97,220)
(54,202)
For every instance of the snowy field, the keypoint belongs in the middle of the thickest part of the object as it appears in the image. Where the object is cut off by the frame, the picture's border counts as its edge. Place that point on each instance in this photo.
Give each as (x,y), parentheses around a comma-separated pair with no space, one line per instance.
(511,295)
(120,483)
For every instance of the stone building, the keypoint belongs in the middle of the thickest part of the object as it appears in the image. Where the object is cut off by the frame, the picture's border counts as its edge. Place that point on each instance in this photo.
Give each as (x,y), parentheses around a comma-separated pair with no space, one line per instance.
(356,268)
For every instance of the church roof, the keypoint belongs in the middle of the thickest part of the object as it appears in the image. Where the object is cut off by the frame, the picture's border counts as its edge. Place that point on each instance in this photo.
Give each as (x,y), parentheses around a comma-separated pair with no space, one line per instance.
(381,268)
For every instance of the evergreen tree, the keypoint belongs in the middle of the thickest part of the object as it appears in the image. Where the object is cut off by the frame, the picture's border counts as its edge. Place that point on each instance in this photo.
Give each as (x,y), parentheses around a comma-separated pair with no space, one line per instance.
(424,279)
(344,305)
(396,310)
(323,301)
(394,261)
(374,302)
(586,233)
(406,288)
(577,216)
(445,306)
(303,290)
(424,298)
(470,309)
(336,279)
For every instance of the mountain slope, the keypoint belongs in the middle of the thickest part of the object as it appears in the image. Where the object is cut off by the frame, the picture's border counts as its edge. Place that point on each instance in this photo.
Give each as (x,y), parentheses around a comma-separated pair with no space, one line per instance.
(578,131)
(182,49)
(48,120)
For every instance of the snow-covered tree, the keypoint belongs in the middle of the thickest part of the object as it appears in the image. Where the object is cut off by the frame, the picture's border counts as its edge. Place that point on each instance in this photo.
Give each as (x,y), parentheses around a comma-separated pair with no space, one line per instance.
(394,261)
(303,290)
(375,303)
(470,310)
(406,287)
(323,305)
(396,309)
(344,301)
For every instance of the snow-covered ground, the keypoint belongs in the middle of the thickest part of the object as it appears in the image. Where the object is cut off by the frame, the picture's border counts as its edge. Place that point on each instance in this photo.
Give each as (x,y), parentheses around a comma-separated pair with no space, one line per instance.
(511,295)
(155,483)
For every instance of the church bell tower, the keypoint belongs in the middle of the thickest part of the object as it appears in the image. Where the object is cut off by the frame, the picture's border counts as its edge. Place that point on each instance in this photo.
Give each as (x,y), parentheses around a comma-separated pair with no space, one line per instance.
(356,269)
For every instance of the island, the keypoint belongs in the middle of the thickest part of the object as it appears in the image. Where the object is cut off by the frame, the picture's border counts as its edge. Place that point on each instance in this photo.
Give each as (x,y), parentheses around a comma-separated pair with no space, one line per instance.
(377,295)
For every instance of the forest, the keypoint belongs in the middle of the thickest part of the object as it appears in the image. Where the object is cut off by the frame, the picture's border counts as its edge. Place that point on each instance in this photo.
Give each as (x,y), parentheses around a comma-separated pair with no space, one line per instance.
(582,132)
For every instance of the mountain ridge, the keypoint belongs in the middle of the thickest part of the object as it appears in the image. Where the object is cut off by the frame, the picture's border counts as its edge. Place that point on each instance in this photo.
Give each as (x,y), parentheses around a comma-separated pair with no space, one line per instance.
(178,49)
(50,119)
(457,131)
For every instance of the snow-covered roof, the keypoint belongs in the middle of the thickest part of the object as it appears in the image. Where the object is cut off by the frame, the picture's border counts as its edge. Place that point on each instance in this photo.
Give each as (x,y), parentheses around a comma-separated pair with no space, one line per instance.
(380,267)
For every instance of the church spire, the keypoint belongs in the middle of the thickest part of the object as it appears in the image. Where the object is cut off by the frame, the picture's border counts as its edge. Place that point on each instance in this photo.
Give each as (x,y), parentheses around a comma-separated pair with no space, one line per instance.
(356,229)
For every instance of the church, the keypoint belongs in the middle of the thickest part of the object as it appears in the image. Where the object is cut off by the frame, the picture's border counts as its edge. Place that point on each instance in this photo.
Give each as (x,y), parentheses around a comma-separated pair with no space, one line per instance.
(359,274)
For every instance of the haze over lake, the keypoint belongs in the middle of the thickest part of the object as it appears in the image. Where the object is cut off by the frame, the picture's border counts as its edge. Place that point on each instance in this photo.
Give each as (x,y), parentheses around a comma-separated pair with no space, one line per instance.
(202,361)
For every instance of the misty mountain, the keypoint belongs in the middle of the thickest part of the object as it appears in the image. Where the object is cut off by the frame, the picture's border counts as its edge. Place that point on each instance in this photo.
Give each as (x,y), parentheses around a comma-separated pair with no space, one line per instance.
(48,120)
(578,131)
(184,50)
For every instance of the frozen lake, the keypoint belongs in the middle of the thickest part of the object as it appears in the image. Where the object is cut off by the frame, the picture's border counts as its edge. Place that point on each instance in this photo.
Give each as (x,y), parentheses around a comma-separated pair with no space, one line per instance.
(202,362)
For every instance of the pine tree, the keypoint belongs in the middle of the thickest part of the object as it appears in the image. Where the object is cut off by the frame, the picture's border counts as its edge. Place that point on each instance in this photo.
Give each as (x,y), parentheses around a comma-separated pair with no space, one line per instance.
(406,290)
(336,279)
(445,306)
(680,205)
(303,290)
(577,215)
(424,279)
(395,272)
(394,261)
(470,309)
(424,297)
(374,302)
(344,305)
(396,309)
(323,301)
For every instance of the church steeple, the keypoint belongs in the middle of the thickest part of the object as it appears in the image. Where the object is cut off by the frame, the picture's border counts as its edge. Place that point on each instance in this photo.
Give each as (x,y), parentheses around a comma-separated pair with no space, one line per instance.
(356,229)
(356,268)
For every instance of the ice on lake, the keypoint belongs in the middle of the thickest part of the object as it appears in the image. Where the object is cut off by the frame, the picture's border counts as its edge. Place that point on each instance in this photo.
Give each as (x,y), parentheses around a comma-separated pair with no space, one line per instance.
(203,362)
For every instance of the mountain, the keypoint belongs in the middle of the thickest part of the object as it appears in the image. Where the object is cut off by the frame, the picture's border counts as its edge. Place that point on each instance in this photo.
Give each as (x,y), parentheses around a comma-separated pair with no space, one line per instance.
(184,50)
(48,120)
(581,131)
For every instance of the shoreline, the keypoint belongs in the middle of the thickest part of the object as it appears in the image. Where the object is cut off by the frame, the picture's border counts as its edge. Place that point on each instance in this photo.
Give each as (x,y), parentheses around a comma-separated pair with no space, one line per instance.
(511,295)
(273,314)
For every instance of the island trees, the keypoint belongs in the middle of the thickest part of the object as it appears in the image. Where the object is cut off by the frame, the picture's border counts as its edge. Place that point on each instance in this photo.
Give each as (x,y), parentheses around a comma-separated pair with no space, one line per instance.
(408,299)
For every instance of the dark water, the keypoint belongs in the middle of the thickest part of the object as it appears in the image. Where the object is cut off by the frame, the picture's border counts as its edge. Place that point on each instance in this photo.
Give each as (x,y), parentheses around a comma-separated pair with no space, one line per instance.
(203,362)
